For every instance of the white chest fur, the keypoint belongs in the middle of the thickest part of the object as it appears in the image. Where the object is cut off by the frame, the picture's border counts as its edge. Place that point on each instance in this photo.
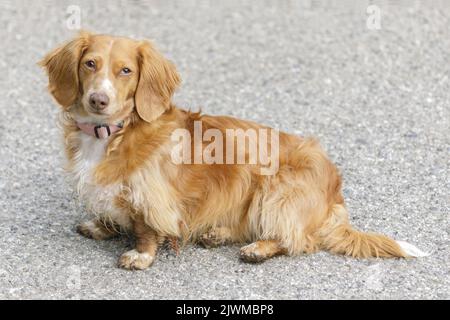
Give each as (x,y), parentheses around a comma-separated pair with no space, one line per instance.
(99,200)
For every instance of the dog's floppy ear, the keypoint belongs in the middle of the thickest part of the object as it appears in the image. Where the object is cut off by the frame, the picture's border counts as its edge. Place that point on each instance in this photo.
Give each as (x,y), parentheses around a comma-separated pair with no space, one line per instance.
(158,80)
(62,69)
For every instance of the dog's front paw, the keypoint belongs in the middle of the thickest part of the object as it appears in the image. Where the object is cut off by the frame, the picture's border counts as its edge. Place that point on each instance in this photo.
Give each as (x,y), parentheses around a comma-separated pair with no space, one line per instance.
(134,260)
(210,240)
(94,230)
(215,238)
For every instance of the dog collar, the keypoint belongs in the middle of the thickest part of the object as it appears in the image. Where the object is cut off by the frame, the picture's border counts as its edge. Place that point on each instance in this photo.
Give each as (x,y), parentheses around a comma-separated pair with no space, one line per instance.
(100,131)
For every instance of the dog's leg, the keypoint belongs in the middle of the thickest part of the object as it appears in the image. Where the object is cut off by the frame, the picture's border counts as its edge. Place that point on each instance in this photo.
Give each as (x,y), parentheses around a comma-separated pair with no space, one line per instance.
(97,229)
(261,250)
(216,237)
(147,243)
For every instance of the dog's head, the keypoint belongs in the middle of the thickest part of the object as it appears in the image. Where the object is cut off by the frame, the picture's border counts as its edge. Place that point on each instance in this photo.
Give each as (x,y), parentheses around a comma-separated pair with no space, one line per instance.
(105,78)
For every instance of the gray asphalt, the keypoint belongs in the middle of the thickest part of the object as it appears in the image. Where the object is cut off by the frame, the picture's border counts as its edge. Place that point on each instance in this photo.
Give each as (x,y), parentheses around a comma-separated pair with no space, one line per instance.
(377,99)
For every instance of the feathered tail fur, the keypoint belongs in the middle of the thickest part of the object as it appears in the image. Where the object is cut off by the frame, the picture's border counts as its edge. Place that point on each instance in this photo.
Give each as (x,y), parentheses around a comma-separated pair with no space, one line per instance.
(338,236)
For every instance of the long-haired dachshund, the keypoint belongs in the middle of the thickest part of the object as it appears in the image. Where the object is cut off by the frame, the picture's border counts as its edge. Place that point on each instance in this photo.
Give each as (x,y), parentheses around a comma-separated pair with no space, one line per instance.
(119,122)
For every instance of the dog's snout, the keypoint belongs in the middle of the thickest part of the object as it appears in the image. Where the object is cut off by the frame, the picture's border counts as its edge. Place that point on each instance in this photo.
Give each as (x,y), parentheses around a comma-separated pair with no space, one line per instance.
(98,100)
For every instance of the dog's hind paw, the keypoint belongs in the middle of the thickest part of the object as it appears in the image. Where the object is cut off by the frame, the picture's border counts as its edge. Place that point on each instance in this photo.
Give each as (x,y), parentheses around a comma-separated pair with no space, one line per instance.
(134,260)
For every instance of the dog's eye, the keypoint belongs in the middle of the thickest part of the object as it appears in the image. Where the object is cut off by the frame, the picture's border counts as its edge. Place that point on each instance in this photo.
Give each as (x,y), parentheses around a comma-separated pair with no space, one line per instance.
(90,64)
(125,71)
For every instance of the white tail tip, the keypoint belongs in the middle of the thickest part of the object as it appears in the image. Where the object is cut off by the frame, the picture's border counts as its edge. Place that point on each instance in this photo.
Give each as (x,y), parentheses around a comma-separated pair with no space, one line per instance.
(412,250)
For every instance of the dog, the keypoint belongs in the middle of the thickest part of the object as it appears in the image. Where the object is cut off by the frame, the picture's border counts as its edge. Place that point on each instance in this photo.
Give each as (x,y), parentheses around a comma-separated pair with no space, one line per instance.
(118,121)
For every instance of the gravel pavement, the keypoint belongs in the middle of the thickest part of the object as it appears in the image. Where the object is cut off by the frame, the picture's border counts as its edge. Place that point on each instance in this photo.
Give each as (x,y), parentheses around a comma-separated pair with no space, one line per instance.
(379,100)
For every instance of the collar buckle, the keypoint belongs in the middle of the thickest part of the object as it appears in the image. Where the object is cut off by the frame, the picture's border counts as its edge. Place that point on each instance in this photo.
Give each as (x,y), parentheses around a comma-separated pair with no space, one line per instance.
(102,133)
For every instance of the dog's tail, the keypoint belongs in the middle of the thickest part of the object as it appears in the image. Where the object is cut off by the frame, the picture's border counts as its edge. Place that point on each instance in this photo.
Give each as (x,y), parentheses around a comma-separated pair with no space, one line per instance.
(338,236)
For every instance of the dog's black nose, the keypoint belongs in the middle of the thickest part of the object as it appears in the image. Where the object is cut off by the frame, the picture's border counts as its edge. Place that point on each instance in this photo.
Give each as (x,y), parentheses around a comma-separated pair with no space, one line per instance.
(98,101)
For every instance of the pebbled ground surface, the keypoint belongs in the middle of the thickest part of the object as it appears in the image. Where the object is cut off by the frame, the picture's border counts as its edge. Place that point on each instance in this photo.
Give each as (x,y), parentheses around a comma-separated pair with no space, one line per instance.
(379,100)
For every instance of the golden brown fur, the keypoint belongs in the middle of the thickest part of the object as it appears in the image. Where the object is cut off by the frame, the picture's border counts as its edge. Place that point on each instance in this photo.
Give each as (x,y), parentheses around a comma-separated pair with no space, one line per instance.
(299,209)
